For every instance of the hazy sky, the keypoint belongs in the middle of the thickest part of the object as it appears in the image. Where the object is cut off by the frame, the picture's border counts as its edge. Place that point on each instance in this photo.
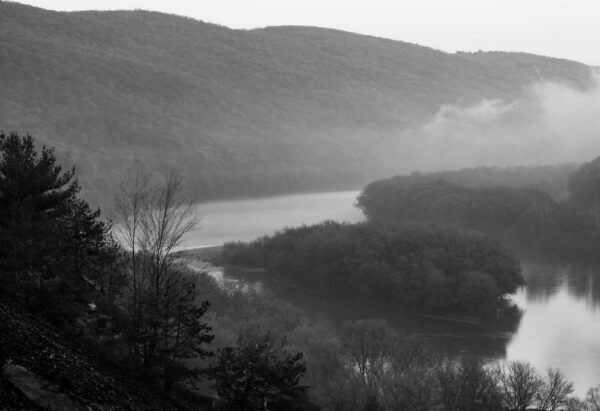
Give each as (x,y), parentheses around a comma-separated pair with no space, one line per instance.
(560,28)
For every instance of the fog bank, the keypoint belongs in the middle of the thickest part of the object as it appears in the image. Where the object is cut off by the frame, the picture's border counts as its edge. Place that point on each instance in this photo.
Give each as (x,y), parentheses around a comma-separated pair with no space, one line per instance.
(550,123)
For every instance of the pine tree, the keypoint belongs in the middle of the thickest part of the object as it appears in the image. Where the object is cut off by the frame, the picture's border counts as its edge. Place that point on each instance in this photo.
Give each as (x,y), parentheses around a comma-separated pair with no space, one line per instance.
(258,371)
(49,237)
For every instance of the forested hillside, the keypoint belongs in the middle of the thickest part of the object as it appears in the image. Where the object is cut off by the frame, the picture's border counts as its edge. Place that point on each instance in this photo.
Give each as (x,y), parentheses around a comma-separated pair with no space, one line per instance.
(241,112)
(551,179)
(536,210)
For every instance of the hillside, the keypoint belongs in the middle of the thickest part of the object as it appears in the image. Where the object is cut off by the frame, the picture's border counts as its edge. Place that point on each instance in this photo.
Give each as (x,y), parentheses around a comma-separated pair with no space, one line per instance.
(240,112)
(43,369)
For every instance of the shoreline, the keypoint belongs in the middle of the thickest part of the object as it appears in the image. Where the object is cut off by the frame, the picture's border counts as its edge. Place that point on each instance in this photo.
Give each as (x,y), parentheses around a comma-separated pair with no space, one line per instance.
(200,253)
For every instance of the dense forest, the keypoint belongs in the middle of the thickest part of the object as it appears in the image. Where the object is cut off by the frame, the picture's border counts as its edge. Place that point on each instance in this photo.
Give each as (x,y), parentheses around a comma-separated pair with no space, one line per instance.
(533,215)
(550,179)
(412,266)
(242,112)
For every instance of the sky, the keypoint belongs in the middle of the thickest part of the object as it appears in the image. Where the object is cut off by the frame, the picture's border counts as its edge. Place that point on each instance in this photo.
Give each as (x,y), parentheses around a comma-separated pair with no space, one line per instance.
(558,28)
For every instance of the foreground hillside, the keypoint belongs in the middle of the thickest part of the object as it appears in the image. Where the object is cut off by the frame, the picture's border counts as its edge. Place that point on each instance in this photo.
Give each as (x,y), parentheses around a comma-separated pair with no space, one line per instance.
(44,369)
(241,112)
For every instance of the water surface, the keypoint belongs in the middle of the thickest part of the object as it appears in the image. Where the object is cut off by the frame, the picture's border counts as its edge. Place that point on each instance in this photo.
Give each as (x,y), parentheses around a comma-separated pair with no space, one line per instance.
(245,220)
(560,326)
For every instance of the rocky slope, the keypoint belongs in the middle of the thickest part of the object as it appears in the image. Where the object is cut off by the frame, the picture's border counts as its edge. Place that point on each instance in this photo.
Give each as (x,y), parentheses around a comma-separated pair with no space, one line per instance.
(44,369)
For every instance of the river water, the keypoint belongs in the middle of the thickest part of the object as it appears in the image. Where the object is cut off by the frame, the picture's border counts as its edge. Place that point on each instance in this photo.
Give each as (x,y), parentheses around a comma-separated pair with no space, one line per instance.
(559,326)
(245,220)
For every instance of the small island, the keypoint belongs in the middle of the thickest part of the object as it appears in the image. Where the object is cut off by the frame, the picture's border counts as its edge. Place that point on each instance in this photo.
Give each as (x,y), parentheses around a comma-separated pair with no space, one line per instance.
(408,265)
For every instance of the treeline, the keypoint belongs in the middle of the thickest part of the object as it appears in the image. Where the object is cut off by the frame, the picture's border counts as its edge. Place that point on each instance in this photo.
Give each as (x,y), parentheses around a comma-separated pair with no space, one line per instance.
(385,370)
(529,219)
(413,266)
(552,179)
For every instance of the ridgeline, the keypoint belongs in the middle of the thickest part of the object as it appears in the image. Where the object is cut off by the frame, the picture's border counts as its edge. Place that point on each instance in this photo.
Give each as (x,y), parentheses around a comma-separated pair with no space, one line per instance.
(240,112)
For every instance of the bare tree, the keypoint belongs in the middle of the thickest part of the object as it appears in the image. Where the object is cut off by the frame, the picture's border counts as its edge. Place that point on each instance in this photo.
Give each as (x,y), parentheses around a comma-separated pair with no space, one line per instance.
(131,202)
(518,384)
(554,394)
(592,399)
(467,387)
(386,370)
(369,346)
(152,220)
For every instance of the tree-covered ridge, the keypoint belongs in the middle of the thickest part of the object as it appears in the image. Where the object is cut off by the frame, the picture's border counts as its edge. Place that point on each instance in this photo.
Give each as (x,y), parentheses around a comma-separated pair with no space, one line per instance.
(552,178)
(51,242)
(492,210)
(584,188)
(409,265)
(526,218)
(241,111)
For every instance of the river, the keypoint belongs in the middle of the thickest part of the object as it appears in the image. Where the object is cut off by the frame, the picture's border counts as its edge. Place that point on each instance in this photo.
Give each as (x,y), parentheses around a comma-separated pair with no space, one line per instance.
(247,219)
(559,327)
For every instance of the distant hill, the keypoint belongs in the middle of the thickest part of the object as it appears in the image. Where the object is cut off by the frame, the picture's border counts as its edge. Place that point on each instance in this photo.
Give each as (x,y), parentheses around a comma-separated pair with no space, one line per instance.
(240,112)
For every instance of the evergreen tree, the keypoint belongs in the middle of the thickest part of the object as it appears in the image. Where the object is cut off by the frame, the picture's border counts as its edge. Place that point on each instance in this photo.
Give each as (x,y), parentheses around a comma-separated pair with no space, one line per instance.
(49,237)
(258,372)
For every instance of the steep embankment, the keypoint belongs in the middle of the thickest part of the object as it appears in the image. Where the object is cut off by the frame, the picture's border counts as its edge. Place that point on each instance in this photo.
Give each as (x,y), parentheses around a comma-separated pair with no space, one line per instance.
(239,112)
(43,369)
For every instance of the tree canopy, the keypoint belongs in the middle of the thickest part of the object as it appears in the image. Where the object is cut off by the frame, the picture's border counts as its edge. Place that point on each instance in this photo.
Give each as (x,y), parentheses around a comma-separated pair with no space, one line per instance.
(409,265)
(48,233)
(584,189)
(259,372)
(527,219)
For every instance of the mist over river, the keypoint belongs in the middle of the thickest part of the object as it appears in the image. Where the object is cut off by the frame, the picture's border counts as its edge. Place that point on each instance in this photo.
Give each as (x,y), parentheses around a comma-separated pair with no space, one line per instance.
(559,327)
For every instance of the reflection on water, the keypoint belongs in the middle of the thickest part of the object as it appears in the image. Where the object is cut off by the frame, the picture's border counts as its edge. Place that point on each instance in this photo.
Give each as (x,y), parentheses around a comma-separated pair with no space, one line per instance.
(561,323)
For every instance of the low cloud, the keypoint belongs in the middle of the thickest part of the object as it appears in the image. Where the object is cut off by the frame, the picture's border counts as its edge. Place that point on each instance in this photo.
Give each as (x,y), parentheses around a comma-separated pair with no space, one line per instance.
(550,123)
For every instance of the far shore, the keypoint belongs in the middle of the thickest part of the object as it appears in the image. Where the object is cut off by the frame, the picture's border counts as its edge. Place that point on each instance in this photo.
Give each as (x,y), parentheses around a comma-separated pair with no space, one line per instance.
(207,254)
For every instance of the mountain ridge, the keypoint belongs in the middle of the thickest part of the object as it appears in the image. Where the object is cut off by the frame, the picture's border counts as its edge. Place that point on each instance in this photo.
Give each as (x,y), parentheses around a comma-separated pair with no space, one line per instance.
(240,112)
